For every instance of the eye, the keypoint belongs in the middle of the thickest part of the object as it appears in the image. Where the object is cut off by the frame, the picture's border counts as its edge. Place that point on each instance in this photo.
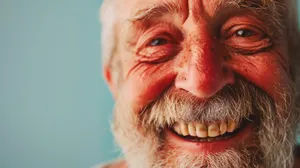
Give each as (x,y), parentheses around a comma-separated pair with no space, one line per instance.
(246,39)
(158,42)
(244,33)
(158,49)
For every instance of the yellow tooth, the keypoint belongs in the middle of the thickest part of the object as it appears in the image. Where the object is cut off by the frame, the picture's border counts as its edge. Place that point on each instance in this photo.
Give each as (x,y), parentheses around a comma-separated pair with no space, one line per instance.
(213,130)
(184,129)
(192,129)
(231,126)
(223,128)
(177,129)
(201,130)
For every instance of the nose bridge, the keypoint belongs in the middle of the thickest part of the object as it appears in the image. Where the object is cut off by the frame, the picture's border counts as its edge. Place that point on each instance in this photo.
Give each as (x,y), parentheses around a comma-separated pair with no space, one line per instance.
(202,54)
(201,45)
(203,73)
(204,68)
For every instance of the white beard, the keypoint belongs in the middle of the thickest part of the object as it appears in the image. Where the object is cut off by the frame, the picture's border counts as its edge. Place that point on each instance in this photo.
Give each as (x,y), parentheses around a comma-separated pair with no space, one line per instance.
(138,135)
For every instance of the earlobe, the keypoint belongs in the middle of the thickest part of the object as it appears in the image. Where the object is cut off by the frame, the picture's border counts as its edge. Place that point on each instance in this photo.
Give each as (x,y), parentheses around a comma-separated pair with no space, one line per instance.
(108,78)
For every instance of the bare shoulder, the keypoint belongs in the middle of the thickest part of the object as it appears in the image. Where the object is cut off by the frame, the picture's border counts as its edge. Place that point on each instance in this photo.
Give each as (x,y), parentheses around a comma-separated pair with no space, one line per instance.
(120,163)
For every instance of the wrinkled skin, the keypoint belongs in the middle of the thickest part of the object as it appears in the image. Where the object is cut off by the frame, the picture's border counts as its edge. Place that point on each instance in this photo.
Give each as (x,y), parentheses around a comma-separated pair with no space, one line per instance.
(201,66)
(199,49)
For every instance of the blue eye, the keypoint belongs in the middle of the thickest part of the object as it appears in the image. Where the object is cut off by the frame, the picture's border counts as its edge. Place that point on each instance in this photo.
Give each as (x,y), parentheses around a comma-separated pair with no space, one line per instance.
(158,42)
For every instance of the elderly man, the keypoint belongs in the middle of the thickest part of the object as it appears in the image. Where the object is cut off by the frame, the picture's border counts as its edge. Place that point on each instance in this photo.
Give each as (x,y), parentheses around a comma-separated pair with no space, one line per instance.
(203,83)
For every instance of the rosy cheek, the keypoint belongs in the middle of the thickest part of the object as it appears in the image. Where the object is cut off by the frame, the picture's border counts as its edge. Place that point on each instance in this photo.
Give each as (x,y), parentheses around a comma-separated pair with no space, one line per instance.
(146,83)
(264,71)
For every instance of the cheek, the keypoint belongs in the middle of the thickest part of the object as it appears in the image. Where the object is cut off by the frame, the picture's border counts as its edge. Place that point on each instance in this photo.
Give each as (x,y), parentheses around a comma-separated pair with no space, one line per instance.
(265,72)
(145,83)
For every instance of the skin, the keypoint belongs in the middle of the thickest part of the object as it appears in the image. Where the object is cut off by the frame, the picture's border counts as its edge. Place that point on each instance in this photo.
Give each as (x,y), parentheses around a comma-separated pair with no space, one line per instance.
(201,66)
(189,50)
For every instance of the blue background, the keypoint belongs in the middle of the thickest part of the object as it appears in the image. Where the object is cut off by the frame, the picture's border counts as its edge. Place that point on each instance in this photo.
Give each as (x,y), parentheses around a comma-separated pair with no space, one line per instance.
(54,105)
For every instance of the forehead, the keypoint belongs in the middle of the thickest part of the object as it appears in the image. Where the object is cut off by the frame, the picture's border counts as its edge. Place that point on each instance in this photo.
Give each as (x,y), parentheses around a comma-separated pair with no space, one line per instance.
(127,8)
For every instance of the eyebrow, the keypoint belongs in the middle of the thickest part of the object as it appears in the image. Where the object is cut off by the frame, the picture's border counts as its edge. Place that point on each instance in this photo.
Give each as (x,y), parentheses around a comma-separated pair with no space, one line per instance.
(167,7)
(155,11)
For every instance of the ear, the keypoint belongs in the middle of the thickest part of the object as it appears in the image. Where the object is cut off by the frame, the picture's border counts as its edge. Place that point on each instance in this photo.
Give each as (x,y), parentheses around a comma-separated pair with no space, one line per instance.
(108,78)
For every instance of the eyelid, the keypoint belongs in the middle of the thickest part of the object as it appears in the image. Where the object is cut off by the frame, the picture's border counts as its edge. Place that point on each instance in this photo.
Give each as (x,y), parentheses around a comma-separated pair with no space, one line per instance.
(156,54)
(233,29)
(161,30)
(248,20)
(165,36)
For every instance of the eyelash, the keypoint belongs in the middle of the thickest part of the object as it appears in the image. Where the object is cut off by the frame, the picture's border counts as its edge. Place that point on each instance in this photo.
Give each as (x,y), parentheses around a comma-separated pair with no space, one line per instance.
(148,53)
(165,37)
(162,42)
(251,33)
(228,33)
(233,30)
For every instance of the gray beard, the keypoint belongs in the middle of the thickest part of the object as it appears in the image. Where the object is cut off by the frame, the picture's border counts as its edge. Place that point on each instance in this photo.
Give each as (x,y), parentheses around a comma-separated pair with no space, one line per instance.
(272,146)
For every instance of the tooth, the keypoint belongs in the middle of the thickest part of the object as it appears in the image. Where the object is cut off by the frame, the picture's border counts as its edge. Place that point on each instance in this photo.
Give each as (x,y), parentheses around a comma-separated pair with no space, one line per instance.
(177,129)
(201,130)
(184,129)
(213,130)
(231,126)
(223,128)
(192,129)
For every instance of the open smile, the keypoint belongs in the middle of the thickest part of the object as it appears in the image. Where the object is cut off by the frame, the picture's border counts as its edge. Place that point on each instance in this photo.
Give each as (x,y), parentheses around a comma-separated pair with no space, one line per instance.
(210,138)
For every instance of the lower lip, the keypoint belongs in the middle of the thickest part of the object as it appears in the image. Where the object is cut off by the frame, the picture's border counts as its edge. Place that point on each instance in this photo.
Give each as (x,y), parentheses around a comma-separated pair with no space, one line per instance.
(240,138)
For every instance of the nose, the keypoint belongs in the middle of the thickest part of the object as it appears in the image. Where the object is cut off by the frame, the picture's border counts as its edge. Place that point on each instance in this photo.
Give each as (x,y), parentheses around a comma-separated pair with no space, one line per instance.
(203,71)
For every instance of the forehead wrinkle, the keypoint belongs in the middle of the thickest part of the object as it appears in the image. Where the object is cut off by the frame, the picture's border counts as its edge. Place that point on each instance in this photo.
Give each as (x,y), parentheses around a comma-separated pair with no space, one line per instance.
(216,7)
(271,9)
(155,11)
(253,4)
(250,4)
(209,10)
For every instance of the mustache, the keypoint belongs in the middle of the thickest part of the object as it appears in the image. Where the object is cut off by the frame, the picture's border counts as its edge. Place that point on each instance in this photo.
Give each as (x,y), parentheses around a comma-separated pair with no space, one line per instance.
(140,136)
(234,102)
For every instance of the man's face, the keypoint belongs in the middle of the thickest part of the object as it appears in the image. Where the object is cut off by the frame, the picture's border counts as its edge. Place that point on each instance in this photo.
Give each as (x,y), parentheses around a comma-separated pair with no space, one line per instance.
(204,83)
